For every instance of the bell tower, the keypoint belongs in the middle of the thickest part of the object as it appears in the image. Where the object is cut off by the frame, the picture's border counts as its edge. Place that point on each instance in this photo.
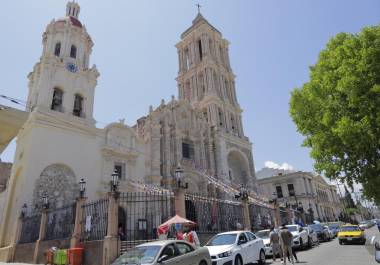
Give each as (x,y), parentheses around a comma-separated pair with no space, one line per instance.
(206,80)
(205,77)
(62,82)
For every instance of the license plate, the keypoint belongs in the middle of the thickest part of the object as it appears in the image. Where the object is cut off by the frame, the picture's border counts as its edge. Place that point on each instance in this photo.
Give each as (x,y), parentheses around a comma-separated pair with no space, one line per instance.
(349,239)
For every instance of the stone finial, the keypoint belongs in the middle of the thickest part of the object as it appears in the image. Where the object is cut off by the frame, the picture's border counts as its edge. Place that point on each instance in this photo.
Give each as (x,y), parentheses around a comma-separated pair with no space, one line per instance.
(150,109)
(173,98)
(162,102)
(122,121)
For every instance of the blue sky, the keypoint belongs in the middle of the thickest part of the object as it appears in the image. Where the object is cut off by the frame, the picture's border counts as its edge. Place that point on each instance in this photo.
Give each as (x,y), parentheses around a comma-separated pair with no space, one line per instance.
(272,45)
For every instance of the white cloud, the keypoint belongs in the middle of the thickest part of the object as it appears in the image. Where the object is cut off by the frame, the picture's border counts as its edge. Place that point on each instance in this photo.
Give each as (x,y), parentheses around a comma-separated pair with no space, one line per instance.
(284,166)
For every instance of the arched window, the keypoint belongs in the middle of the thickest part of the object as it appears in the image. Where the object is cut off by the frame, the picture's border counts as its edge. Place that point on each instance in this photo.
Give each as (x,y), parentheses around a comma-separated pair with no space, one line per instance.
(57,100)
(200,50)
(57,49)
(73,51)
(78,105)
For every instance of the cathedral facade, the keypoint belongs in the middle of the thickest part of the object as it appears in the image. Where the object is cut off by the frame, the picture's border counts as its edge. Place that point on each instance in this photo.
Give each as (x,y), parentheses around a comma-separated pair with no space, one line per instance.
(201,131)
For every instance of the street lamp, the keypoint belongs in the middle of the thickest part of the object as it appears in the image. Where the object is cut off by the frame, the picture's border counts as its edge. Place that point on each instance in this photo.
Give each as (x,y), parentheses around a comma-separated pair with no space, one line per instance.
(179,177)
(243,193)
(114,181)
(82,188)
(45,201)
(24,210)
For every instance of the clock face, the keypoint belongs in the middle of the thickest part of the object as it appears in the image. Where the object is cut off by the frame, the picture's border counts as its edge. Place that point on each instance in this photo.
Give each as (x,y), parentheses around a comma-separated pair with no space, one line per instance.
(71,67)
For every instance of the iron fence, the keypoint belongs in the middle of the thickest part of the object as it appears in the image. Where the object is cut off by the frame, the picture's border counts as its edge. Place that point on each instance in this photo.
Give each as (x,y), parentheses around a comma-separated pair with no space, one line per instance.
(30,229)
(94,220)
(60,222)
(261,217)
(140,214)
(213,215)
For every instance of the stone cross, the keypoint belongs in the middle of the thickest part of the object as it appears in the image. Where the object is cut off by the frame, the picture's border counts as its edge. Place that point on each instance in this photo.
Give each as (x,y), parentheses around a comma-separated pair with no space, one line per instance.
(199,7)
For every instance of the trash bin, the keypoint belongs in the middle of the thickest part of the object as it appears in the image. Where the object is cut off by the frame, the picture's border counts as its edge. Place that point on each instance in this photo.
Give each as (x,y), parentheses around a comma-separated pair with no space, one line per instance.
(60,257)
(75,256)
(49,256)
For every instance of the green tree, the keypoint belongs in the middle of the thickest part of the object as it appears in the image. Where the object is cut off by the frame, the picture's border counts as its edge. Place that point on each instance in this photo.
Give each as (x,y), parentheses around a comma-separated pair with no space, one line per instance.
(338,110)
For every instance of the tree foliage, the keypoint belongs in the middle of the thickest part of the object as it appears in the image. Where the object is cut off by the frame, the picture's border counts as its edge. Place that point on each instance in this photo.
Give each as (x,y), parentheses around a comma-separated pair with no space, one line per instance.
(338,110)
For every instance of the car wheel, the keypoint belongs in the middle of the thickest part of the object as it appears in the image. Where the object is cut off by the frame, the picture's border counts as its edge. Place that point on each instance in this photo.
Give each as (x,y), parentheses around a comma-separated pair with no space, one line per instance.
(262,257)
(203,262)
(340,242)
(238,261)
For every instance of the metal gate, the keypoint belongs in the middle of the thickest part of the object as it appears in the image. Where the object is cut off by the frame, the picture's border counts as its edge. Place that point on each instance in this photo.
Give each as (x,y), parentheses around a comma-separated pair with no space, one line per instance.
(30,229)
(213,215)
(140,214)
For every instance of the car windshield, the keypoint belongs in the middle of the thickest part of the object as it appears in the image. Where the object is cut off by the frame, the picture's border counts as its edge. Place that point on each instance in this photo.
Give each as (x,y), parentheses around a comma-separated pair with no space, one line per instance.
(333,226)
(263,234)
(220,240)
(292,228)
(349,228)
(139,255)
(316,227)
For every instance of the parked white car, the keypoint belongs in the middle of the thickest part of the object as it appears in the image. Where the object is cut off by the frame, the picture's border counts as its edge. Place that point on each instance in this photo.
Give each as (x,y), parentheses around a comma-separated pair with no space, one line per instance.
(237,248)
(167,252)
(300,237)
(312,237)
(264,235)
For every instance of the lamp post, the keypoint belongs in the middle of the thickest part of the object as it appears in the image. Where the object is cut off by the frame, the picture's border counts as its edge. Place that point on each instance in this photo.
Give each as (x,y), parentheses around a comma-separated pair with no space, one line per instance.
(82,188)
(243,195)
(179,178)
(45,201)
(114,183)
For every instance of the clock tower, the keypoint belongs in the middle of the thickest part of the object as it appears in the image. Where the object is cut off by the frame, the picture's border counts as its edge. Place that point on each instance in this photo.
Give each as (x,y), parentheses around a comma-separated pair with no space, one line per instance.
(62,83)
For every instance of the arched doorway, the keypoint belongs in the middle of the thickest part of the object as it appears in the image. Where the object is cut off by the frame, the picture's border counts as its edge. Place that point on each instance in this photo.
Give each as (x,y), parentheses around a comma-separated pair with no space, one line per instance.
(59,183)
(238,167)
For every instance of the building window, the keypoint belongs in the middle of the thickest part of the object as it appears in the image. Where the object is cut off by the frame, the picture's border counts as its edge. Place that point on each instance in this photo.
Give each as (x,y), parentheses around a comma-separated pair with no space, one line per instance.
(73,51)
(78,105)
(119,168)
(187,150)
(291,190)
(56,103)
(57,49)
(279,192)
(200,49)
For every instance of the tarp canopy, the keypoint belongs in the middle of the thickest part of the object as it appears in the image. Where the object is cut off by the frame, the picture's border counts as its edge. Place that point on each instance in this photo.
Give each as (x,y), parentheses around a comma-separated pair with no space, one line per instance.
(163,228)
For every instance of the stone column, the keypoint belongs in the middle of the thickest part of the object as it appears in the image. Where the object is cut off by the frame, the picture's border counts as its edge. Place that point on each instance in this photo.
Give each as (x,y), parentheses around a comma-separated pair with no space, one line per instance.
(41,235)
(75,238)
(111,241)
(12,251)
(246,217)
(277,218)
(179,204)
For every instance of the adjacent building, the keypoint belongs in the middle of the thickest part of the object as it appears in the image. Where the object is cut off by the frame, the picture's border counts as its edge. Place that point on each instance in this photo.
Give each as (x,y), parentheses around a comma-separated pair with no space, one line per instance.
(303,191)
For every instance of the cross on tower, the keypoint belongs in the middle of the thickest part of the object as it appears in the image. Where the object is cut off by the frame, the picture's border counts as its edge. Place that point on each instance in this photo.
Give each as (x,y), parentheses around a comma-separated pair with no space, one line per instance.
(199,7)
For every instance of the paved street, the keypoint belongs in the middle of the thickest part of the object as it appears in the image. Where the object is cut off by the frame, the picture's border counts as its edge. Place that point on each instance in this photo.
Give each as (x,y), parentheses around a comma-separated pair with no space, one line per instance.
(331,253)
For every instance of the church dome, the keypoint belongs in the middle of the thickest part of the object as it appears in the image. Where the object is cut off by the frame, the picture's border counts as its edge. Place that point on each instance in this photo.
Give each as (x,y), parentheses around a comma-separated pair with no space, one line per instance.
(70,19)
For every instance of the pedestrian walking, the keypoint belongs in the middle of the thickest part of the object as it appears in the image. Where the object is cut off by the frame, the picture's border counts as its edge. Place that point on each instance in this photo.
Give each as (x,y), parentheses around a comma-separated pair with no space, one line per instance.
(192,237)
(294,253)
(286,239)
(274,240)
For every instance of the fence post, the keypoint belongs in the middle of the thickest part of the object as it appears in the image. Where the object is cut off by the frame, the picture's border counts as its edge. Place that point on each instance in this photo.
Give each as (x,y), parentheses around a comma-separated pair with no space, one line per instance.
(41,234)
(246,218)
(111,241)
(77,232)
(179,204)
